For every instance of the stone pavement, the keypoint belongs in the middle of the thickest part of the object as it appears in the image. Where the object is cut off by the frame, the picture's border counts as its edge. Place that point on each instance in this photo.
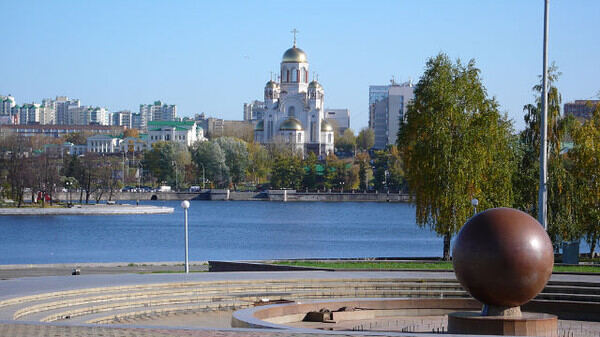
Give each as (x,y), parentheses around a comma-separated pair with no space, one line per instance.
(40,330)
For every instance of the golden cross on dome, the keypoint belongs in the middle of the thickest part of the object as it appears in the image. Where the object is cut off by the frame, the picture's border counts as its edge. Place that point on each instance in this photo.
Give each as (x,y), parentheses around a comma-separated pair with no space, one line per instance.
(294,31)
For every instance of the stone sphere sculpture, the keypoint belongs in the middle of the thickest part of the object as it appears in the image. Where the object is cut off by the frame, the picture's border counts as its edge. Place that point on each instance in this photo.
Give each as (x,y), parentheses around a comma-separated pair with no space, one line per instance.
(503,257)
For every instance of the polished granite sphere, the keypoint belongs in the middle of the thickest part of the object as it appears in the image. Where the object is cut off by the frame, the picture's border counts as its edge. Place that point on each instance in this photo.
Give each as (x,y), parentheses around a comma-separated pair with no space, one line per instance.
(503,257)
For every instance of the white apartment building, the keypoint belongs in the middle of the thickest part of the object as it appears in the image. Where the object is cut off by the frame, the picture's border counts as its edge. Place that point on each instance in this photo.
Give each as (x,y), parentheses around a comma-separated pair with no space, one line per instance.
(62,105)
(157,112)
(29,113)
(6,105)
(84,115)
(122,118)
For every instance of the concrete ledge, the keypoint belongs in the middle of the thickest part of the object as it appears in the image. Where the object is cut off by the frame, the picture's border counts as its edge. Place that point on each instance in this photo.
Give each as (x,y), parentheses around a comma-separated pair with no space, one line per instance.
(99,209)
(227,266)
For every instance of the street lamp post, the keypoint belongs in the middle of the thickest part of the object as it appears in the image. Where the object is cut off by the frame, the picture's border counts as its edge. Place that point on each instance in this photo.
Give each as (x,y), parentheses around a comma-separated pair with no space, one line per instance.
(543,188)
(185,205)
(474,202)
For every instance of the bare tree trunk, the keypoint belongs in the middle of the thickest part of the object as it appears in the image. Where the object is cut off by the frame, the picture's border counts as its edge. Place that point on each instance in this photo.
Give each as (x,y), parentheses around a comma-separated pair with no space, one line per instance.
(447,238)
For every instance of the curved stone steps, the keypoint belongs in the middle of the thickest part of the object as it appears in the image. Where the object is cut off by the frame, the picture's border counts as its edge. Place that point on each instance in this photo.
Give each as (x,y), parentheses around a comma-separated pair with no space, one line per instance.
(104,304)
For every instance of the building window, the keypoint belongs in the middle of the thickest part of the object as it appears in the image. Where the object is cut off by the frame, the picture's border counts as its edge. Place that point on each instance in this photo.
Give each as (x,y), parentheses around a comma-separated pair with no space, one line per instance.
(291,111)
(295,75)
(299,138)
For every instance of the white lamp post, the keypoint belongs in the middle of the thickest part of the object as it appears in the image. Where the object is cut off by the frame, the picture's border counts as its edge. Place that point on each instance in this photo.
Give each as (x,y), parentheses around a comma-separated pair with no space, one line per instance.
(474,202)
(185,205)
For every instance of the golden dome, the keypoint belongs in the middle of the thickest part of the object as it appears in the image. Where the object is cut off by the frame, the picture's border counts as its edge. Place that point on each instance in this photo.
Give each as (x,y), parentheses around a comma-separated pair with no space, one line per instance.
(326,126)
(260,126)
(291,124)
(294,55)
(271,84)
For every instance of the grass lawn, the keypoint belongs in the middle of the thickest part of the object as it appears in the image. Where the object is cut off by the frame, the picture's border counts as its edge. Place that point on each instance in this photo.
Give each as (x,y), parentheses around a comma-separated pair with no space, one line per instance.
(378,265)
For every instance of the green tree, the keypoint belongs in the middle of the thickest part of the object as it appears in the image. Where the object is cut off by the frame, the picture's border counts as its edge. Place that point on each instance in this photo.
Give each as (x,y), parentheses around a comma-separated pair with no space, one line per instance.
(212,157)
(446,147)
(586,166)
(365,139)
(236,158)
(166,161)
(562,196)
(311,177)
(364,169)
(346,142)
(259,164)
(287,172)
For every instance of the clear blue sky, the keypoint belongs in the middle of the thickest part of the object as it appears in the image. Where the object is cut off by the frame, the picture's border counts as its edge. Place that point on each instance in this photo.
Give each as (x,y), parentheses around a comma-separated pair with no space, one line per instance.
(212,56)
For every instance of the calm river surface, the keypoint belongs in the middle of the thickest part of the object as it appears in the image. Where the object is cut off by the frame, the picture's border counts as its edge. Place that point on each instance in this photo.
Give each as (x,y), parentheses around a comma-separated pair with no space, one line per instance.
(221,230)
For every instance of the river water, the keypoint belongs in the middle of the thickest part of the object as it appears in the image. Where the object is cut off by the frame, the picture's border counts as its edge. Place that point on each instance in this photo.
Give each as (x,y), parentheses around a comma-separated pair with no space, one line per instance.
(221,230)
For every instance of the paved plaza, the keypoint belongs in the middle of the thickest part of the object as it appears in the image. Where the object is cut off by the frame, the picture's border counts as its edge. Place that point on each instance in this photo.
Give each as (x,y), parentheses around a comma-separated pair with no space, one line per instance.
(179,324)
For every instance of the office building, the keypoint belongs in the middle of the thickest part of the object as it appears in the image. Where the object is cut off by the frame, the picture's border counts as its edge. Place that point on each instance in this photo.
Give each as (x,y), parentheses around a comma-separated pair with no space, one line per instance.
(387,107)
(339,119)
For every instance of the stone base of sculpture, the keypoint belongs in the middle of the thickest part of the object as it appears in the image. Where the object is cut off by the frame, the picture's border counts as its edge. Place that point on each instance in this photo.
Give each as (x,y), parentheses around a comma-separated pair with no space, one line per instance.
(506,323)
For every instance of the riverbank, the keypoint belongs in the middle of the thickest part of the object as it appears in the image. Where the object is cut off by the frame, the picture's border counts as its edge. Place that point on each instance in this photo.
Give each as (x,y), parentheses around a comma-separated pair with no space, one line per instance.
(270,195)
(98,209)
(9,271)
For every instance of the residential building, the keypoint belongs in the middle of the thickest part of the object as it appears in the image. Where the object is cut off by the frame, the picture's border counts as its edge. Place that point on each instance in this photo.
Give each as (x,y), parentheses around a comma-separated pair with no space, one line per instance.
(184,132)
(29,113)
(387,109)
(62,105)
(136,121)
(294,111)
(339,119)
(581,109)
(157,112)
(254,111)
(6,105)
(122,118)
(48,112)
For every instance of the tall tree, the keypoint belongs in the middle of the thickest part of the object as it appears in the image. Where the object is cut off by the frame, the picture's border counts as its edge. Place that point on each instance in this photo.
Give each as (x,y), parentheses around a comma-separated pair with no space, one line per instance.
(346,142)
(446,145)
(562,196)
(212,157)
(365,139)
(236,158)
(586,166)
(259,164)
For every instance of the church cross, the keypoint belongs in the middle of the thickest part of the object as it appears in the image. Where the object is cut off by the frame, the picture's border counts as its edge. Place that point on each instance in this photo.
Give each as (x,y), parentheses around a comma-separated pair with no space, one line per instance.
(294,31)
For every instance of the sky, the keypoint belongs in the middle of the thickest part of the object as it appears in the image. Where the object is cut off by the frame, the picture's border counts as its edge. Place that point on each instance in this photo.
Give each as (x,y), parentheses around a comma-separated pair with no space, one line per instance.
(212,56)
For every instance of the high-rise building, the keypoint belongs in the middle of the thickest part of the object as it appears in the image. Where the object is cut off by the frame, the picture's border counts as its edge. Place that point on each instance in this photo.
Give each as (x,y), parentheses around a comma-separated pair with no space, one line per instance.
(62,106)
(122,118)
(48,112)
(29,113)
(387,107)
(254,111)
(157,112)
(6,105)
(339,118)
(581,109)
(85,115)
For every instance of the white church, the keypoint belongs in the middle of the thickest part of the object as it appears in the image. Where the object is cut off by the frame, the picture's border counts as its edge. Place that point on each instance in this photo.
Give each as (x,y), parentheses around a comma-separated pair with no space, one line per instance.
(294,109)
